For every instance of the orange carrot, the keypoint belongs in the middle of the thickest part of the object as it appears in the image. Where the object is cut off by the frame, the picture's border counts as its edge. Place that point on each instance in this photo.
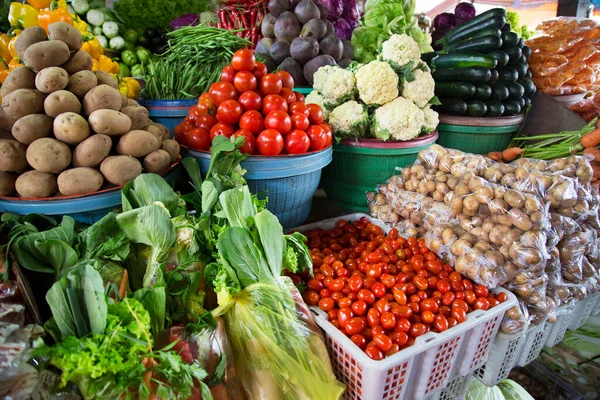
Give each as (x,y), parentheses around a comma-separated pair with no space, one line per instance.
(591,139)
(147,377)
(123,284)
(511,153)
(593,151)
(495,155)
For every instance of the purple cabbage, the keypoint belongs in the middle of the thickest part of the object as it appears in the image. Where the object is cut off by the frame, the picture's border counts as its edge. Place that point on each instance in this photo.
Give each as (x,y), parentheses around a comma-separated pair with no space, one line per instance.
(343,29)
(336,9)
(351,13)
(464,12)
(444,21)
(185,20)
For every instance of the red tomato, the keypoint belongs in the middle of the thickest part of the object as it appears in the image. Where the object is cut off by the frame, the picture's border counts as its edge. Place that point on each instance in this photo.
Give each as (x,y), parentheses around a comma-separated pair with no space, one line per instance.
(193,115)
(388,320)
(441,323)
(328,132)
(181,130)
(366,296)
(252,121)
(221,129)
(273,102)
(427,317)
(287,95)
(221,91)
(482,304)
(459,314)
(299,97)
(270,84)
(286,79)
(206,101)
(378,289)
(358,340)
(373,317)
(355,326)
(400,297)
(443,286)
(416,329)
(404,312)
(501,297)
(318,137)
(359,307)
(399,338)
(198,139)
(430,305)
(228,74)
(374,352)
(314,284)
(244,81)
(278,120)
(382,341)
(481,291)
(461,304)
(299,107)
(448,298)
(326,304)
(206,122)
(355,283)
(229,112)
(270,142)
(311,297)
(403,325)
(300,122)
(336,285)
(249,146)
(259,70)
(470,297)
(345,302)
(250,101)
(243,60)
(344,316)
(296,142)
(315,114)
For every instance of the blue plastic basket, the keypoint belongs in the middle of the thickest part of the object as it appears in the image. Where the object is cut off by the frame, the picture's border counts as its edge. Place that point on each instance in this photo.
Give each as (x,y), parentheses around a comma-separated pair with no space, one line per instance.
(168,112)
(289,182)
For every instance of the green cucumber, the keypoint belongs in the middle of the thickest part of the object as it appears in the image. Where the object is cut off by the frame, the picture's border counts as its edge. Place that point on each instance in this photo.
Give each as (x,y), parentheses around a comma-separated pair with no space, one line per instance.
(494,77)
(499,92)
(511,107)
(521,102)
(494,18)
(509,39)
(508,74)
(526,51)
(476,35)
(481,45)
(500,56)
(495,108)
(463,60)
(476,75)
(515,90)
(476,108)
(453,106)
(514,53)
(528,86)
(459,90)
(521,68)
(506,28)
(482,92)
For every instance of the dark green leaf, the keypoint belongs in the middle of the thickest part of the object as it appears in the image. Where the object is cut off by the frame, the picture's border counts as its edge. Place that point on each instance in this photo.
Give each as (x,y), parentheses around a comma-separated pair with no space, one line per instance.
(104,239)
(238,206)
(154,301)
(241,253)
(57,253)
(272,240)
(193,169)
(211,188)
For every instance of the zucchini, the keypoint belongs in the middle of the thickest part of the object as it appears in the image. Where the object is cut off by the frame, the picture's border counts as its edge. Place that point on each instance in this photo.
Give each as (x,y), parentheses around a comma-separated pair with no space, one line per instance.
(521,68)
(459,90)
(526,51)
(453,106)
(481,45)
(494,77)
(499,92)
(476,75)
(508,74)
(521,43)
(506,28)
(514,53)
(528,75)
(527,103)
(476,108)
(522,59)
(494,18)
(515,90)
(463,60)
(476,35)
(427,57)
(509,39)
(521,102)
(528,86)
(494,108)
(511,107)
(482,92)
(500,56)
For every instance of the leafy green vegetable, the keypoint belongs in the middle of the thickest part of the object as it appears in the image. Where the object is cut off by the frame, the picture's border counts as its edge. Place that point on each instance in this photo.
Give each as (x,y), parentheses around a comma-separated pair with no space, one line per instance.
(273,243)
(148,189)
(478,391)
(513,391)
(142,14)
(587,346)
(243,255)
(154,301)
(104,240)
(237,206)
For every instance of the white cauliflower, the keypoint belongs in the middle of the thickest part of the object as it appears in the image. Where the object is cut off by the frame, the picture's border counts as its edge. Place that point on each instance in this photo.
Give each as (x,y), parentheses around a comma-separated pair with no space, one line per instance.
(421,89)
(335,84)
(431,120)
(349,120)
(377,83)
(315,98)
(400,49)
(399,120)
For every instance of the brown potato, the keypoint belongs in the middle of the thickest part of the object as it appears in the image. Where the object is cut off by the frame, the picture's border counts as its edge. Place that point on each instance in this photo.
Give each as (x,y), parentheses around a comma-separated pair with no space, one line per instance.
(171,147)
(51,79)
(101,97)
(66,33)
(52,53)
(6,122)
(79,61)
(61,101)
(32,127)
(166,133)
(92,151)
(23,102)
(131,102)
(155,131)
(19,78)
(138,115)
(7,183)
(12,156)
(79,181)
(82,82)
(71,128)
(48,155)
(137,143)
(119,170)
(29,36)
(157,161)
(36,184)
(104,78)
(124,100)
(109,122)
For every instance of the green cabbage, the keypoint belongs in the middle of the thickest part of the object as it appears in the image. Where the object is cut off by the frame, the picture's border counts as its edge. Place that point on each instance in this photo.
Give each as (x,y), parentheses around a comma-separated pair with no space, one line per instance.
(478,391)
(513,391)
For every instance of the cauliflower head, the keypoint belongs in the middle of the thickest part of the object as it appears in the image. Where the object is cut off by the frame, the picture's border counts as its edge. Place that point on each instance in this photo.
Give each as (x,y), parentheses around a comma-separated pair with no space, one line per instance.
(400,119)
(421,89)
(315,97)
(335,84)
(377,83)
(400,49)
(349,120)
(431,120)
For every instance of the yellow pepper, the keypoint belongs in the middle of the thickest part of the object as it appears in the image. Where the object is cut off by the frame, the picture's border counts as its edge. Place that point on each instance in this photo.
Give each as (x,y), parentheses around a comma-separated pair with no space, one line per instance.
(92,46)
(115,68)
(134,87)
(95,65)
(22,15)
(104,63)
(39,4)
(11,47)
(80,24)
(4,71)
(4,52)
(123,88)
(55,13)
(14,63)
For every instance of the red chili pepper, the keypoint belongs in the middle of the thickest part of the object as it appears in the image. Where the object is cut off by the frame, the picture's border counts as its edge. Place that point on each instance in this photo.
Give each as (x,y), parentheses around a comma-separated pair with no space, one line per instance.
(253,18)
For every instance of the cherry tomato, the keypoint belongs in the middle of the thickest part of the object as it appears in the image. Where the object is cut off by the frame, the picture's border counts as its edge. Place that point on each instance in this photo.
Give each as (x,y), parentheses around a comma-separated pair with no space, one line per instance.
(388,280)
(467,285)
(344,302)
(273,102)
(333,314)
(455,277)
(249,146)
(328,133)
(311,297)
(382,341)
(300,122)
(402,325)
(443,286)
(314,284)
(299,97)
(278,120)
(451,322)
(367,296)
(359,307)
(221,91)
(344,316)
(374,352)
(355,283)
(448,298)
(270,142)
(287,95)
(373,317)
(244,81)
(440,324)
(206,122)
(481,291)
(326,304)
(417,330)
(427,317)
(482,304)
(243,60)
(399,338)
(400,297)
(286,79)
(388,320)
(501,297)
(357,339)
(270,84)
(318,137)
(299,107)
(460,304)
(228,74)
(430,305)
(420,283)
(296,142)
(336,285)
(259,70)
(250,101)
(198,139)
(221,129)
(252,121)
(382,305)
(459,314)
(229,112)
(470,297)
(378,289)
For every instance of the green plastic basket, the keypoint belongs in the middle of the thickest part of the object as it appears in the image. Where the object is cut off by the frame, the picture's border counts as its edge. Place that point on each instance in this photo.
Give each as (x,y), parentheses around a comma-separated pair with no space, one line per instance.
(478,135)
(359,166)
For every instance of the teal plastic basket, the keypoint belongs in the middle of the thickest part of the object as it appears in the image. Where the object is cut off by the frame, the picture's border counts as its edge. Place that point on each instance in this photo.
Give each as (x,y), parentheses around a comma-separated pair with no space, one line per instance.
(168,112)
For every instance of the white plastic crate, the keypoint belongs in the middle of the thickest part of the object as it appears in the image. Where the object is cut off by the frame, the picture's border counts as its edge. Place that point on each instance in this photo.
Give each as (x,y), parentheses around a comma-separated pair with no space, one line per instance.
(420,371)
(582,311)
(531,347)
(558,329)
(502,357)
(456,389)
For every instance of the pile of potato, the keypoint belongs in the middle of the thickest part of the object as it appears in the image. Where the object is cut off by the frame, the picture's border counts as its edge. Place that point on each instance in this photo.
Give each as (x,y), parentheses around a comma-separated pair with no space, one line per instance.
(66,128)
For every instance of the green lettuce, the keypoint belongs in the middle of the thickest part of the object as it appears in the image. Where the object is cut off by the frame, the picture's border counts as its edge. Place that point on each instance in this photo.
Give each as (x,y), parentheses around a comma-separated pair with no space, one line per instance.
(513,391)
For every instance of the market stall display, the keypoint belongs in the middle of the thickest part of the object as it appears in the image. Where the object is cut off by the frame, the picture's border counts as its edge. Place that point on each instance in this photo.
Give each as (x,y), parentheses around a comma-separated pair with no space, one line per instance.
(244,17)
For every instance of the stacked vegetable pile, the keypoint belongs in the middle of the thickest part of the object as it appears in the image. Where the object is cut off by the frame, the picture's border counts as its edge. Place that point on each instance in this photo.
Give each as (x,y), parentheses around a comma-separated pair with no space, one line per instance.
(482,69)
(300,39)
(443,22)
(242,16)
(387,291)
(67,120)
(531,226)
(388,99)
(274,122)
